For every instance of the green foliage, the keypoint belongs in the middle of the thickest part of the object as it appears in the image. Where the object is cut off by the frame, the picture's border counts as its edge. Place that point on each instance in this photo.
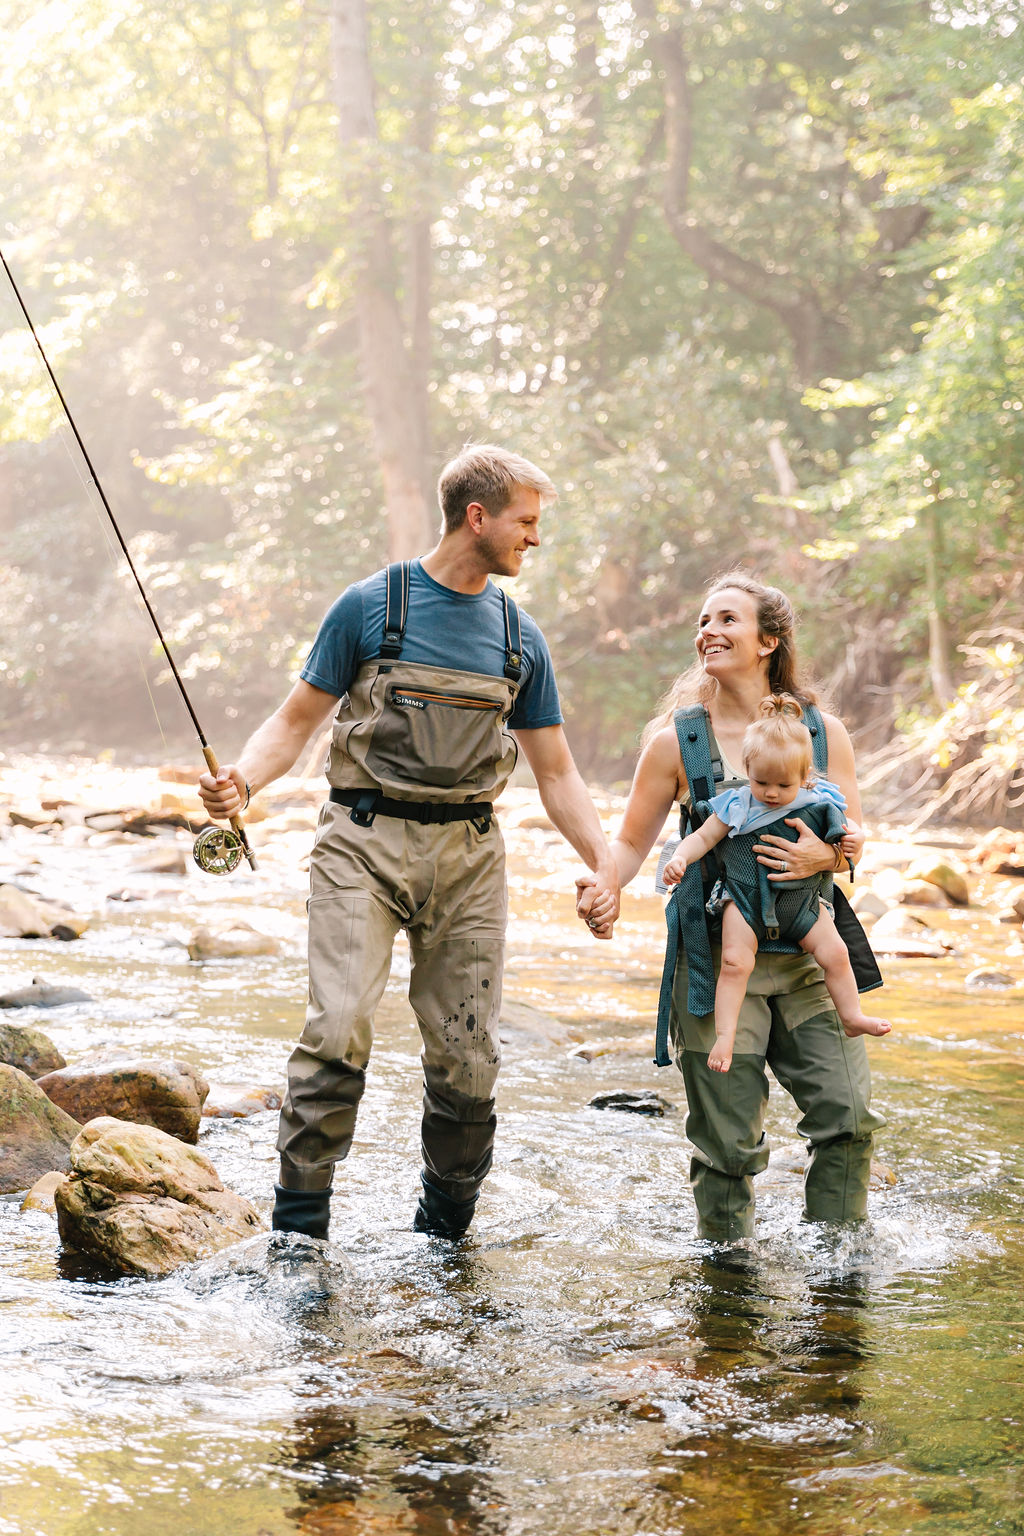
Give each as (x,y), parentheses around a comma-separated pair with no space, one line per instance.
(182,218)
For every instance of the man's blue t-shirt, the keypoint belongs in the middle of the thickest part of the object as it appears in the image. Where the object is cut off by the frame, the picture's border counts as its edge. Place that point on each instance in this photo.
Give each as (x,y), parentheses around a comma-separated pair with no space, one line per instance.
(460,630)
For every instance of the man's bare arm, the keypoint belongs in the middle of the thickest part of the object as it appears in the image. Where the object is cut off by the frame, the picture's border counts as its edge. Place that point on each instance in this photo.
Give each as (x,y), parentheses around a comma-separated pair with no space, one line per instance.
(270,751)
(566,800)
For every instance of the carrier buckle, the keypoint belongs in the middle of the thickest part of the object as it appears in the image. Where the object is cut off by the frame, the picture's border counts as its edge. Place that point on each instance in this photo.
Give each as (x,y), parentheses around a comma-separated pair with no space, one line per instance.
(364,812)
(481,823)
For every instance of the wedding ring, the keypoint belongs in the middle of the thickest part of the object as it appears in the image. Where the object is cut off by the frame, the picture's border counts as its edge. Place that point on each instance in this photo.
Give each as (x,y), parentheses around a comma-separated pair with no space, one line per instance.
(784,866)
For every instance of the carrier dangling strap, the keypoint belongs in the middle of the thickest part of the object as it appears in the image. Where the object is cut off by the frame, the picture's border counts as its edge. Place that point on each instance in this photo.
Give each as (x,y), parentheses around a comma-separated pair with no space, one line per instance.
(513,653)
(396,610)
(685,913)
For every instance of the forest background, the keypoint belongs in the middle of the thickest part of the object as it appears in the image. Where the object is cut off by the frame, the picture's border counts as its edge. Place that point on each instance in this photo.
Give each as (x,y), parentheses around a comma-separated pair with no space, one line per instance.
(742,275)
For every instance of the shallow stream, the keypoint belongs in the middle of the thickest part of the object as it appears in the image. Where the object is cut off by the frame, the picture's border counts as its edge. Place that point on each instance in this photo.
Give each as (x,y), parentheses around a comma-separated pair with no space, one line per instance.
(582,1364)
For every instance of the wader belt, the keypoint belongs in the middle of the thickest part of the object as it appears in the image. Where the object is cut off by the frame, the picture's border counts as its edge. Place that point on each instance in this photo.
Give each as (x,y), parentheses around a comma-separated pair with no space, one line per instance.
(368,803)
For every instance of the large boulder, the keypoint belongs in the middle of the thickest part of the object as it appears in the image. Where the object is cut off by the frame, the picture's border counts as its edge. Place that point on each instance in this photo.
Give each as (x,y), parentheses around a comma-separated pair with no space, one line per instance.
(29,1050)
(34,1133)
(167,1094)
(142,1203)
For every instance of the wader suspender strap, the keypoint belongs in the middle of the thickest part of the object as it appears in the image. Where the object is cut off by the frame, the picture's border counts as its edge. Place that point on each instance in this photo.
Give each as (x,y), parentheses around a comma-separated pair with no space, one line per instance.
(513,653)
(685,914)
(396,610)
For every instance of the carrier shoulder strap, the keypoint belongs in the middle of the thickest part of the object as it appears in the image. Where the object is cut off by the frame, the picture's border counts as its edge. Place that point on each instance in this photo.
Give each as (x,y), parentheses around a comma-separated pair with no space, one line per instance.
(703,771)
(513,638)
(819,738)
(396,609)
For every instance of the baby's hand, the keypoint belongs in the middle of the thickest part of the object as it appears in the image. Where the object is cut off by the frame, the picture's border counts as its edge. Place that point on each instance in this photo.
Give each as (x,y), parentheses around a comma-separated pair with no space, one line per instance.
(850,845)
(674,870)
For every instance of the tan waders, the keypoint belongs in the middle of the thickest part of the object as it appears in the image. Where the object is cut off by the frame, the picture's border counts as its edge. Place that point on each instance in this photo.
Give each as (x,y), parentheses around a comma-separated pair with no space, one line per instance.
(413,746)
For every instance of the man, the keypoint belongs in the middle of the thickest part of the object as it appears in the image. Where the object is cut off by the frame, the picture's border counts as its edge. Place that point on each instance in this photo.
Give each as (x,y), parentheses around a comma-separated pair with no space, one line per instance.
(430,661)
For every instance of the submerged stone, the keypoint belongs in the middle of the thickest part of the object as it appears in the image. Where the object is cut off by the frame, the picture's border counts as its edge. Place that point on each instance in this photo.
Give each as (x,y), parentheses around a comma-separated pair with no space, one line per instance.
(167,1094)
(142,1203)
(639,1101)
(35,1133)
(230,943)
(40,994)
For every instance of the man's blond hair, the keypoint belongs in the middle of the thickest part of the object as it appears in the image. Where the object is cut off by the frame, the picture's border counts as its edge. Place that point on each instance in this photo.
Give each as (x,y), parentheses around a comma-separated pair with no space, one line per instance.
(487,474)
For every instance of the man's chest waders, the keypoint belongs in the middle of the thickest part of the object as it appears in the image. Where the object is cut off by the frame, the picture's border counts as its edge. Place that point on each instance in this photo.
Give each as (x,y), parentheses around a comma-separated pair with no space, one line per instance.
(407,840)
(787,1023)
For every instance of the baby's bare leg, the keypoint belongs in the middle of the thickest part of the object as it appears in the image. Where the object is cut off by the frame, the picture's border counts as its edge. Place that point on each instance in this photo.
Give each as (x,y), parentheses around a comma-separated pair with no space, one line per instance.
(739,948)
(824,943)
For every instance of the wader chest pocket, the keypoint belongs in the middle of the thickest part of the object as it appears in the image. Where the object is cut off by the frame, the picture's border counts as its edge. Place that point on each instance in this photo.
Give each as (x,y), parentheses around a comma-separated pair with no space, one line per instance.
(435,737)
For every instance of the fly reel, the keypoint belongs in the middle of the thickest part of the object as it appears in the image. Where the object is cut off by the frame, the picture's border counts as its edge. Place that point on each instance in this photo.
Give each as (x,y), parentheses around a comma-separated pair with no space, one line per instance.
(218,850)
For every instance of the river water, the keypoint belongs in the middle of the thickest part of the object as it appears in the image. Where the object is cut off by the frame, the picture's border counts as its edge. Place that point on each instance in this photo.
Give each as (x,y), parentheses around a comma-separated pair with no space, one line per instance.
(582,1364)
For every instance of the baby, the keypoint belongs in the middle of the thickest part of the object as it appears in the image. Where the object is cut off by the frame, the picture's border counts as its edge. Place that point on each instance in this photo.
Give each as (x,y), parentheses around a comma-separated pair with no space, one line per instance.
(777,756)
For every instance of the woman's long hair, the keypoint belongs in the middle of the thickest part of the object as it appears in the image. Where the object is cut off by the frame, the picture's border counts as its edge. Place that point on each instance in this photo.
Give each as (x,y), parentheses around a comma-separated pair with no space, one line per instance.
(775,620)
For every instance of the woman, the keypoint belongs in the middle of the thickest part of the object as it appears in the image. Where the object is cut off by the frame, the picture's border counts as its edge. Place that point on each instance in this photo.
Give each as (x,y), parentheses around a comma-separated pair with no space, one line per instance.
(746,651)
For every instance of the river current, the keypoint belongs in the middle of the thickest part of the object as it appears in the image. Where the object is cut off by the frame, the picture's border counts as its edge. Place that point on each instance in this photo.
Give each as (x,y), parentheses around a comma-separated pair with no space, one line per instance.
(582,1364)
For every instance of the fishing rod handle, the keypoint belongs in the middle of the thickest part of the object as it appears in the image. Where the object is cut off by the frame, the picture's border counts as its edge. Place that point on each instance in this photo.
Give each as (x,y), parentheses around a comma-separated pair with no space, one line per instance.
(236,824)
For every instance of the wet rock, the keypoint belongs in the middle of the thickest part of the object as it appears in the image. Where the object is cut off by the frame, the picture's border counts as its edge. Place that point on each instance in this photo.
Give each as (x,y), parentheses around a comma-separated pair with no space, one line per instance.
(984,979)
(142,1203)
(922,893)
(170,860)
(868,904)
(638,1101)
(239,940)
(35,1133)
(899,934)
(29,1050)
(948,874)
(625,1045)
(230,1102)
(1000,852)
(523,1022)
(24,916)
(167,1094)
(41,1196)
(40,994)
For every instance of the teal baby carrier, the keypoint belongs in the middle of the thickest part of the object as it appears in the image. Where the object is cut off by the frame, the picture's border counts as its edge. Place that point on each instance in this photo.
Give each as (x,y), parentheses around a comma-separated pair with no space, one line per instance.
(687,910)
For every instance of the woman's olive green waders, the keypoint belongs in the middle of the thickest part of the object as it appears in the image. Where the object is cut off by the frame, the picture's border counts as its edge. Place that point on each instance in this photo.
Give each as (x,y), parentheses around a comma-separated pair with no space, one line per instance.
(787,1023)
(407,840)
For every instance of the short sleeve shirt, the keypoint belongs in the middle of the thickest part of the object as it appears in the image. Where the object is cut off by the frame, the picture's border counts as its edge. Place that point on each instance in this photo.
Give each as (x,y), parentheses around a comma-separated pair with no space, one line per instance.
(464,631)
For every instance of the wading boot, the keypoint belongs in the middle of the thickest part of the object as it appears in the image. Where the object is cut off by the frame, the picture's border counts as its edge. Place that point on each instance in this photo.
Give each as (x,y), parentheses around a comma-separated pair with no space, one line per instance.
(302,1210)
(441,1216)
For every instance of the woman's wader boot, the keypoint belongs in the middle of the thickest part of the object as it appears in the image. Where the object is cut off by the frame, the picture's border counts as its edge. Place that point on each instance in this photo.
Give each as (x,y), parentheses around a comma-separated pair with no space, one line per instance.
(301,1210)
(441,1216)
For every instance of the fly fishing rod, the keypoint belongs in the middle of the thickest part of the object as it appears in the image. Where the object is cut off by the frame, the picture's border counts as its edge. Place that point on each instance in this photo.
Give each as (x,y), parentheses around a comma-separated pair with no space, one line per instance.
(216,850)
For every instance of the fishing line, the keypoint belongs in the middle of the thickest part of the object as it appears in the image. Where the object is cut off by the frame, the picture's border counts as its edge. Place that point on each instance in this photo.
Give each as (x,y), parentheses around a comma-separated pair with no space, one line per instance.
(214,849)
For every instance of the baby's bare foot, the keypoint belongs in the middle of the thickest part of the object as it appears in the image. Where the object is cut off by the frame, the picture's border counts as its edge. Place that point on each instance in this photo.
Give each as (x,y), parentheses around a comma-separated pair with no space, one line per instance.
(720,1059)
(863,1025)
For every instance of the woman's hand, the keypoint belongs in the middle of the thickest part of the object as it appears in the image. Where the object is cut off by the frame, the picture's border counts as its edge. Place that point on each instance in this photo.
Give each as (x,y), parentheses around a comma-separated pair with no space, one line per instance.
(784,860)
(596,908)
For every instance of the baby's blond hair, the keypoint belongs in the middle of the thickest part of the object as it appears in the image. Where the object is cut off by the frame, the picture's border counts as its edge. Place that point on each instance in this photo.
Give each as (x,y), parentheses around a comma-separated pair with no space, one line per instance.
(780,735)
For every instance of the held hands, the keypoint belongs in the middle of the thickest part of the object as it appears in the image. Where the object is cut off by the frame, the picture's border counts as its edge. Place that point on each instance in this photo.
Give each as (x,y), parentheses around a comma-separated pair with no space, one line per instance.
(597,904)
(225,796)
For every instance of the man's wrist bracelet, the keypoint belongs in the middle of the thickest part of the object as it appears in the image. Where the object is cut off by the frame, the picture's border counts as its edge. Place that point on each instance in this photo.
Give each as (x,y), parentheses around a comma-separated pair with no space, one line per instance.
(248,795)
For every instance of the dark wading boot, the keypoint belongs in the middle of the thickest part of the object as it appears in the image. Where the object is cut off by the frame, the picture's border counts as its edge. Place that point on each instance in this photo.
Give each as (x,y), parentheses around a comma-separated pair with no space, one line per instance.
(441,1216)
(302,1210)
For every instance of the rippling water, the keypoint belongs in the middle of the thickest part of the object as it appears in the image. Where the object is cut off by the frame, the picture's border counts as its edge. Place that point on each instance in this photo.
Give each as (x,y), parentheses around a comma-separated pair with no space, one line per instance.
(582,1364)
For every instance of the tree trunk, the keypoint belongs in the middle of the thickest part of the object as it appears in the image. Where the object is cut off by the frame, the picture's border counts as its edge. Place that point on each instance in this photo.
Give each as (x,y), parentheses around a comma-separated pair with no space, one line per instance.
(396,393)
(939,650)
